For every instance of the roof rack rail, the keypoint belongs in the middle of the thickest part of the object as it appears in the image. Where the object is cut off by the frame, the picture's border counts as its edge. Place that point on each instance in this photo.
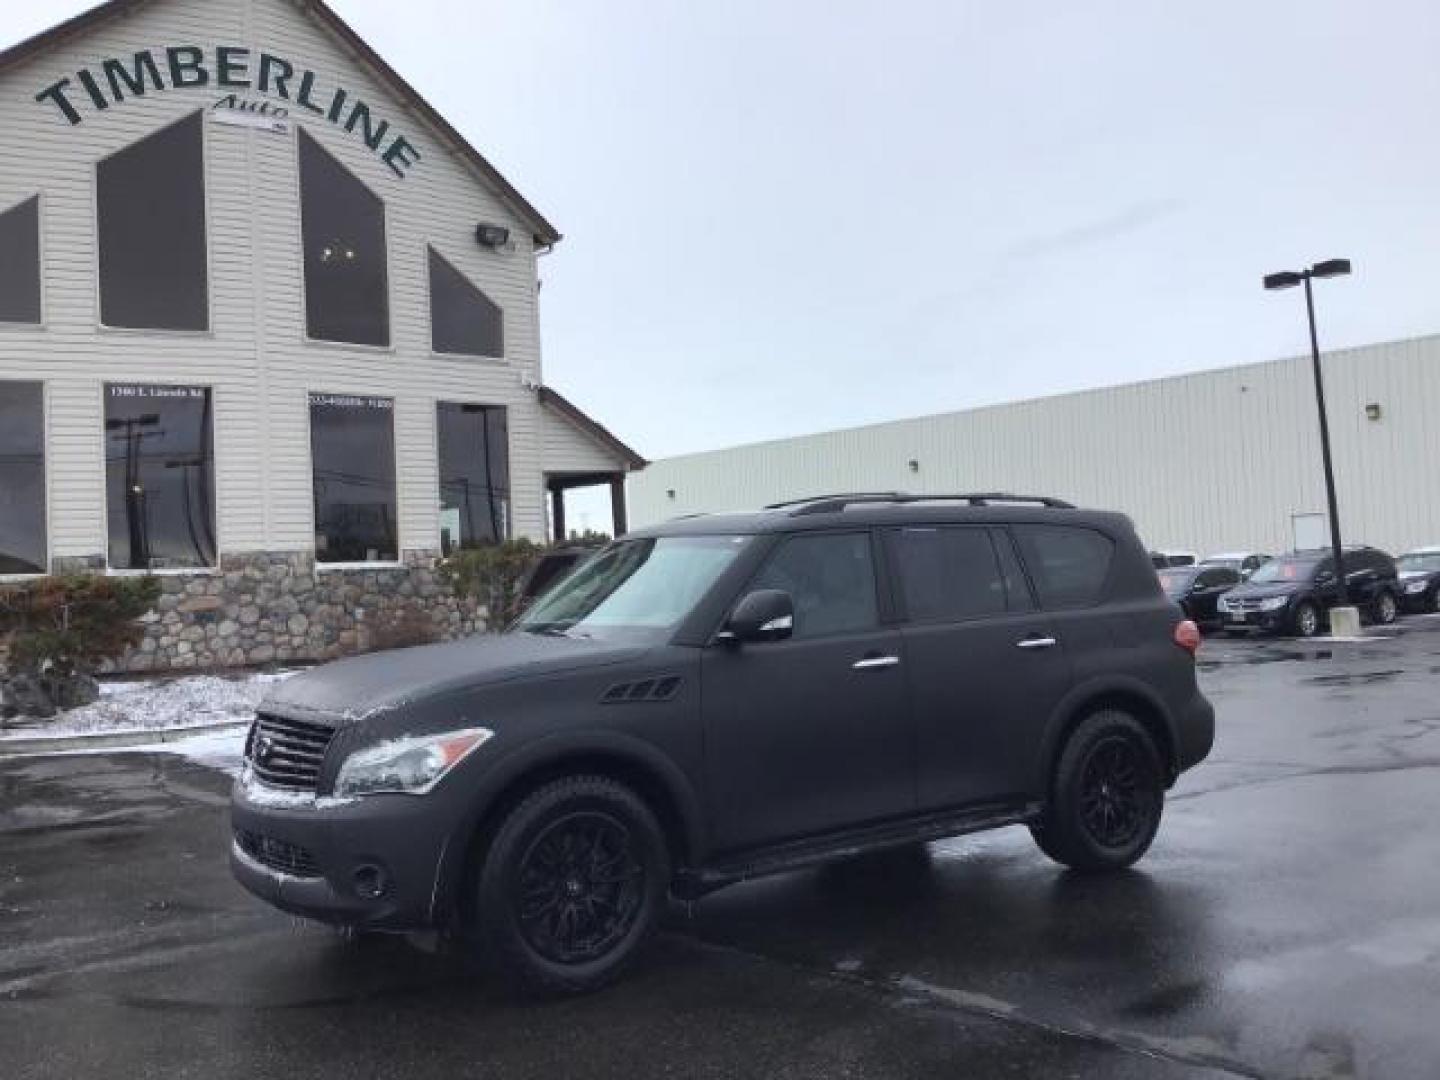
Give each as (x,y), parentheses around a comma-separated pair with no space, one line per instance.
(827,504)
(856,495)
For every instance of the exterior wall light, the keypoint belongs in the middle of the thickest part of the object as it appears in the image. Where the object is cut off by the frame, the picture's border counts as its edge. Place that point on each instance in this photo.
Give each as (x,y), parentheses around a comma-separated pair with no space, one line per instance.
(1373,411)
(491,235)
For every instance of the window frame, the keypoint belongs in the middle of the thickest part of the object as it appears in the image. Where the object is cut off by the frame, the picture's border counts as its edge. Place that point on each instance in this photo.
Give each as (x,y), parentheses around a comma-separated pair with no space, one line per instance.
(440,354)
(435,446)
(129,331)
(163,571)
(299,237)
(881,580)
(44,322)
(342,567)
(46,471)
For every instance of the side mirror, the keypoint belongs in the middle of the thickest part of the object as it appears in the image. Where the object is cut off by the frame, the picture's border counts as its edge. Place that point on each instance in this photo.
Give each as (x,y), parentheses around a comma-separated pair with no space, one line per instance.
(763,615)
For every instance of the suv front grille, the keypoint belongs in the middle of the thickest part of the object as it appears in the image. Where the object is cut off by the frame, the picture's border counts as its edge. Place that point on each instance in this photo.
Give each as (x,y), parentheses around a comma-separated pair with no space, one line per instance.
(286,753)
(278,855)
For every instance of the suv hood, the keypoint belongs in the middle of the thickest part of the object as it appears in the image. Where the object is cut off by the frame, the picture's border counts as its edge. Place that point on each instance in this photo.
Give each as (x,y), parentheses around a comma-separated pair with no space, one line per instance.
(1251,591)
(354,688)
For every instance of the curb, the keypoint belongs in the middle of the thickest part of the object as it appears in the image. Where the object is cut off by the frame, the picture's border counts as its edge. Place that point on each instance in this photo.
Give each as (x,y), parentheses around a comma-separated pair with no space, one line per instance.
(21,746)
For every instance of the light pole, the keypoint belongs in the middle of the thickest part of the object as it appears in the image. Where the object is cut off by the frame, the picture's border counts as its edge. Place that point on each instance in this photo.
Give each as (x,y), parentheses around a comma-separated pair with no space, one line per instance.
(1287,279)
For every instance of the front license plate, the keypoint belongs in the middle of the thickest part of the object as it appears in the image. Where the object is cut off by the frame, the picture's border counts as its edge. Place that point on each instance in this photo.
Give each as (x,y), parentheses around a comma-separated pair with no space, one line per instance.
(1237,616)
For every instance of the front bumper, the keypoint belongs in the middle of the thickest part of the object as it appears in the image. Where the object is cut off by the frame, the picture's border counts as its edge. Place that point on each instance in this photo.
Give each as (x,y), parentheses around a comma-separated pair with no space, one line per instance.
(1265,622)
(374,862)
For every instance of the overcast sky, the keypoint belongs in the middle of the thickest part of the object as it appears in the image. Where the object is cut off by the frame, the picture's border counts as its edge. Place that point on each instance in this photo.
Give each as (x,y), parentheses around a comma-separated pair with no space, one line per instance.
(784,216)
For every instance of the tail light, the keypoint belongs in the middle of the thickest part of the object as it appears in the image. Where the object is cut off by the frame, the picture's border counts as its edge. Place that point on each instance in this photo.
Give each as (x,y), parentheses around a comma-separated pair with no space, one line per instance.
(1187,636)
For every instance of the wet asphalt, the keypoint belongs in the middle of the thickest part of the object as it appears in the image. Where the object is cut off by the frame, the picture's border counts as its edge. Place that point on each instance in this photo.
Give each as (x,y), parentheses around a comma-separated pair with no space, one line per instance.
(1286,924)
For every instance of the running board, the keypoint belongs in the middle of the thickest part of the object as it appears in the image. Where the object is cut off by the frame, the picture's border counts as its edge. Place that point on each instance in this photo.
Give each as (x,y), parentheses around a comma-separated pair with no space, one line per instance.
(798,854)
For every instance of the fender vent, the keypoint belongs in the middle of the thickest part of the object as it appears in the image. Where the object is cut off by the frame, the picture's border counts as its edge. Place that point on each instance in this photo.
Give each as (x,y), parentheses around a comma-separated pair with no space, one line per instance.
(657,689)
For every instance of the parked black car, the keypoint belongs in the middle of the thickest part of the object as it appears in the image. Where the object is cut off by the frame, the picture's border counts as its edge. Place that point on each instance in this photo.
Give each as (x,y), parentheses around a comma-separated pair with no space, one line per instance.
(1293,594)
(1197,589)
(1420,579)
(724,697)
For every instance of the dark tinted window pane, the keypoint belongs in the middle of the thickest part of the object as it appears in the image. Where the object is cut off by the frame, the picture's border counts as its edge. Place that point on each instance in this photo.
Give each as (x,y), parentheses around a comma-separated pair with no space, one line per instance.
(352,445)
(474,475)
(22,478)
(831,579)
(150,198)
(159,476)
(462,318)
(20,263)
(343,230)
(947,573)
(1068,564)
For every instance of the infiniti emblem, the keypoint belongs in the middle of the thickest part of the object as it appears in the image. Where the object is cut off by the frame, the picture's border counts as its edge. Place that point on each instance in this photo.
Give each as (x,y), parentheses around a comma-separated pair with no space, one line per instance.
(264,747)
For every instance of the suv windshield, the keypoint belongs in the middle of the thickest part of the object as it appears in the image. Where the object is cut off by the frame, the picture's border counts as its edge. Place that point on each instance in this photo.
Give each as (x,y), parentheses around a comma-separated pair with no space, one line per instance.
(636,588)
(1419,560)
(1285,569)
(1176,581)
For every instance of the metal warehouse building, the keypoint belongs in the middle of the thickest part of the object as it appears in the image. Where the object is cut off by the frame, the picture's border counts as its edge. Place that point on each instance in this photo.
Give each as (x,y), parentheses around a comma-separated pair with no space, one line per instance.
(268,328)
(1220,460)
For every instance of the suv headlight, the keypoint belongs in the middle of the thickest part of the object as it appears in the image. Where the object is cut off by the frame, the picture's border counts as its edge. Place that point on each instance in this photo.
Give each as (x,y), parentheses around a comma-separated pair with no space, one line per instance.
(408,766)
(1274,603)
(1415,586)
(1223,605)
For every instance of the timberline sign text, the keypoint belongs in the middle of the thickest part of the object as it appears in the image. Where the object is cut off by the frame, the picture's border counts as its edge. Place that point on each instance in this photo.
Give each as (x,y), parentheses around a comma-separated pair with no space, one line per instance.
(229,67)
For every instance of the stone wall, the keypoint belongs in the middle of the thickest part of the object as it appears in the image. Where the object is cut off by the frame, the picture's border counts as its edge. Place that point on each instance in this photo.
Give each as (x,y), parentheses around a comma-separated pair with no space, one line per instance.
(261,607)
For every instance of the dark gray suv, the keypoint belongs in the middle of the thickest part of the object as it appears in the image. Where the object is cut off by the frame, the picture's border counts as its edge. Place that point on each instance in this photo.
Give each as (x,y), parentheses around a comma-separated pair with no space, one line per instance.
(724,697)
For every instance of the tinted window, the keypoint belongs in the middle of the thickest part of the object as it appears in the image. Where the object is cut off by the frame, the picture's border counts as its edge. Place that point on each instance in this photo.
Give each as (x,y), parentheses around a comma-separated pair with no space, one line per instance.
(352,448)
(150,200)
(831,579)
(1287,569)
(474,475)
(343,231)
(22,478)
(947,573)
(1017,590)
(462,318)
(1069,564)
(159,476)
(20,263)
(1212,579)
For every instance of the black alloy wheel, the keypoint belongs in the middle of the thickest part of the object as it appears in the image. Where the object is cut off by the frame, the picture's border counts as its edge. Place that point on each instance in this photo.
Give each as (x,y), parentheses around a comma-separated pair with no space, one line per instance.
(1107,795)
(1307,620)
(1386,609)
(580,888)
(1111,800)
(569,885)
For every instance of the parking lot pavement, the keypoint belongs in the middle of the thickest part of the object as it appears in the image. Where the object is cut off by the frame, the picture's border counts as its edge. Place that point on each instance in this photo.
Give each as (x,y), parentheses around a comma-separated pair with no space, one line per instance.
(1287,923)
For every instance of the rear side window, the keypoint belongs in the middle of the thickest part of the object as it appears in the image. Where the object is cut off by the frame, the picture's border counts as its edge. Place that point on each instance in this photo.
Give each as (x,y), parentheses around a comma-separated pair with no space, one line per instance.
(1069,564)
(947,573)
(831,580)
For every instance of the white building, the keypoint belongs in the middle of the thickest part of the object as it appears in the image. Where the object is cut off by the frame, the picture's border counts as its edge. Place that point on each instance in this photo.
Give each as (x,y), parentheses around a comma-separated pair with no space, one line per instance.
(263,314)
(1220,460)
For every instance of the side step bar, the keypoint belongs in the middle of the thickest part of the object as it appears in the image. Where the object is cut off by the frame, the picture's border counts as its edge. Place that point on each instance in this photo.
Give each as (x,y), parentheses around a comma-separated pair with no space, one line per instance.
(797,854)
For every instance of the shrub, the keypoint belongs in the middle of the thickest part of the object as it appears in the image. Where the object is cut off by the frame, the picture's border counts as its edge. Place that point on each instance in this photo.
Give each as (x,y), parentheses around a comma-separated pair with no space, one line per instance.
(493,575)
(59,630)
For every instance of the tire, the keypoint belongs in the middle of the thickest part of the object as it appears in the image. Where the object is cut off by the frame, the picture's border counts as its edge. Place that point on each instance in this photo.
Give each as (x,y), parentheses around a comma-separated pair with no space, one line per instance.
(594,861)
(1306,620)
(1095,818)
(1387,608)
(1435,601)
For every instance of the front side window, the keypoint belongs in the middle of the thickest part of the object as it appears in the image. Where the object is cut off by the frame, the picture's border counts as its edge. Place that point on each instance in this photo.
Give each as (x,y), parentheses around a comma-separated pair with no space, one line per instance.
(150,204)
(947,573)
(159,476)
(639,589)
(831,580)
(463,319)
(343,232)
(20,263)
(352,449)
(22,478)
(474,459)
(1069,564)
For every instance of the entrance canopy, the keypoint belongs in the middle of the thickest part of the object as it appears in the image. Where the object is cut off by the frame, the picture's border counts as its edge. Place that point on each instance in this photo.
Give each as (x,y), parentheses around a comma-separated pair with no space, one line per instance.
(580,452)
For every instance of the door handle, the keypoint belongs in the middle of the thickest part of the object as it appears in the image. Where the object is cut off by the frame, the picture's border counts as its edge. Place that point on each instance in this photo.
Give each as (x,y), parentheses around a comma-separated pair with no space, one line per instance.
(874,663)
(1035,643)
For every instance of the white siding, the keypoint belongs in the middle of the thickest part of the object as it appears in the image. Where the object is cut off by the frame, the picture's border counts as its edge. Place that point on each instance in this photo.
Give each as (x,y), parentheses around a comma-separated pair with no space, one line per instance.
(567,449)
(255,355)
(1212,461)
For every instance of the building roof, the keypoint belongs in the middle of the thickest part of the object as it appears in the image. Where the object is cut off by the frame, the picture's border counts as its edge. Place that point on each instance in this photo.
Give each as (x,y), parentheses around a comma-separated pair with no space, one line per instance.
(552,399)
(542,230)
